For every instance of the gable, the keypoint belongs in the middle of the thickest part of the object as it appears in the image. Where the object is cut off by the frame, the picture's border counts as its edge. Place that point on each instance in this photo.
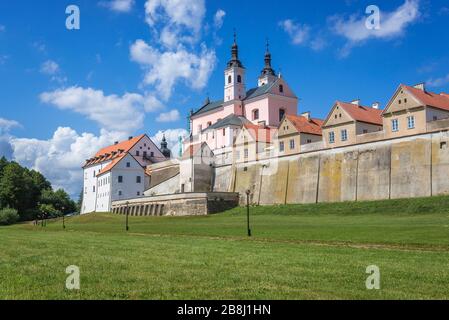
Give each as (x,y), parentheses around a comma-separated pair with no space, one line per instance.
(401,101)
(286,128)
(337,116)
(287,91)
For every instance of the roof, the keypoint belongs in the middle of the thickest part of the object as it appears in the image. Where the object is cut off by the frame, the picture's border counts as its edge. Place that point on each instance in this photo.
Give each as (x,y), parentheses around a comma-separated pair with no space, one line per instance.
(192,150)
(260,134)
(250,94)
(231,120)
(431,99)
(304,125)
(113,153)
(361,113)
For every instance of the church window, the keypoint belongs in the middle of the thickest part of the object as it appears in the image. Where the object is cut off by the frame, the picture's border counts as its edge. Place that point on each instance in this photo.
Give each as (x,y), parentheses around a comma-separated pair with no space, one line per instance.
(281,114)
(256,114)
(239,79)
(281,88)
(229,79)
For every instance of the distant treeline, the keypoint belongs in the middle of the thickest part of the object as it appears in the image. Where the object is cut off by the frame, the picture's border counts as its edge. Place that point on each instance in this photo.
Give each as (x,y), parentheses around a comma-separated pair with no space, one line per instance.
(29,194)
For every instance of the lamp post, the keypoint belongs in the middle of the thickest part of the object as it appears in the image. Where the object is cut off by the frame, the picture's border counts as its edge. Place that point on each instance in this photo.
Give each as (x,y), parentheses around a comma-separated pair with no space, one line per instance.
(248,192)
(127,214)
(63,218)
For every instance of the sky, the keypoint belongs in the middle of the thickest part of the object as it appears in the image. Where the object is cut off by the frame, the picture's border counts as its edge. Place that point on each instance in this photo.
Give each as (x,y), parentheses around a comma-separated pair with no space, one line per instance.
(140,66)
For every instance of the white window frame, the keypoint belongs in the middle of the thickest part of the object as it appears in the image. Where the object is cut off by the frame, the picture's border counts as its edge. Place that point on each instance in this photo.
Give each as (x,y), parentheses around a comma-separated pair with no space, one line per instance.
(395,125)
(411,122)
(344,135)
(332,137)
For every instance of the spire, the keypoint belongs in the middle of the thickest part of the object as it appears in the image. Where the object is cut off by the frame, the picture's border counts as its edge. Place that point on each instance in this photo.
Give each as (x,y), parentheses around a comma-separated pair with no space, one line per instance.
(268,70)
(235,62)
(165,151)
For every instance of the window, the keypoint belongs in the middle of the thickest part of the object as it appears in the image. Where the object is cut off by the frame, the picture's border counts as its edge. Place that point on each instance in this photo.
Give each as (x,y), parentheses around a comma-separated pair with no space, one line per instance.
(224,132)
(435,118)
(138,179)
(365,131)
(128,164)
(137,153)
(292,144)
(281,146)
(309,140)
(209,124)
(281,114)
(239,79)
(138,193)
(344,135)
(395,125)
(246,153)
(94,173)
(281,88)
(93,188)
(411,122)
(229,79)
(331,137)
(145,154)
(120,193)
(120,179)
(256,114)
(152,154)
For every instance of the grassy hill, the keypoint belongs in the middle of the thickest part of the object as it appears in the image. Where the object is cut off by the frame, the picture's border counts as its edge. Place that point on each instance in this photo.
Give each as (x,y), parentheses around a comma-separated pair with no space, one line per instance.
(297,252)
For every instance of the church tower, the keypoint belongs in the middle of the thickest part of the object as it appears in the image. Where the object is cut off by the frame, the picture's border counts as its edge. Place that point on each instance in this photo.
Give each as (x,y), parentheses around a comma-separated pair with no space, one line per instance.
(234,88)
(268,75)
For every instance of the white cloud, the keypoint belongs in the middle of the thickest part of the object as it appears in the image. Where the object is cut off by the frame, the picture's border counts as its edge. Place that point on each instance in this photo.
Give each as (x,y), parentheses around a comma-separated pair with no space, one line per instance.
(172,136)
(182,19)
(218,18)
(50,67)
(438,82)
(121,6)
(60,158)
(171,116)
(392,24)
(6,125)
(299,34)
(163,69)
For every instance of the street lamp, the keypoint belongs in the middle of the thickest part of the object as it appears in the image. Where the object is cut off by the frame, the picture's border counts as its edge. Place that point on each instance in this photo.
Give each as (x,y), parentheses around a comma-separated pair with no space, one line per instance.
(63,218)
(127,214)
(248,192)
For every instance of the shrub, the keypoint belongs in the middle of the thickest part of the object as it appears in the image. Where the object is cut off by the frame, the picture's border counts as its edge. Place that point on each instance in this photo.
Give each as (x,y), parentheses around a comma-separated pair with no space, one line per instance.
(8,216)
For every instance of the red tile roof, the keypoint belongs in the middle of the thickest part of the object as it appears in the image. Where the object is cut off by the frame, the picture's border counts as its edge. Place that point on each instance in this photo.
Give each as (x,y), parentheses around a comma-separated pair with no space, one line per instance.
(260,134)
(113,163)
(431,99)
(361,113)
(124,145)
(304,125)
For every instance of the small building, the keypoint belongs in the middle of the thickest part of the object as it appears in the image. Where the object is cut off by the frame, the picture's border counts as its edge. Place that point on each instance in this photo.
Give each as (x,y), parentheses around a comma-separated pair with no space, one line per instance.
(253,143)
(196,169)
(297,131)
(117,172)
(348,120)
(411,108)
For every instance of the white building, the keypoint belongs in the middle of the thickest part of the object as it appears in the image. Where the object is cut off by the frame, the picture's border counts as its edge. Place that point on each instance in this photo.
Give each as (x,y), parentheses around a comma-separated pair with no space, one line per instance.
(117,172)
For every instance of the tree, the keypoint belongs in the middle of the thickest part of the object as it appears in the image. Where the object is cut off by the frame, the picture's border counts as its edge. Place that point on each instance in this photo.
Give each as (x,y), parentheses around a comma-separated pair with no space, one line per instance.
(58,199)
(40,181)
(80,201)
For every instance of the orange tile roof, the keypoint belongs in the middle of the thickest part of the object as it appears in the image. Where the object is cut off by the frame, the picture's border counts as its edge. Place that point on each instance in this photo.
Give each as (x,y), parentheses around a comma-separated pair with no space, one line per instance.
(431,99)
(260,134)
(361,113)
(304,125)
(113,163)
(124,145)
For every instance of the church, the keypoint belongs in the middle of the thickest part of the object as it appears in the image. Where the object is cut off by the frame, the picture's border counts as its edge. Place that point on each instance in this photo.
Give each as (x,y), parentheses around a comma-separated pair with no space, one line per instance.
(219,122)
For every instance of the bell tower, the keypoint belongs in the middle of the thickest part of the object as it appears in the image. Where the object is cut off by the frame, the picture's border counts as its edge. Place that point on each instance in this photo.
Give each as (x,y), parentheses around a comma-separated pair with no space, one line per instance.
(234,88)
(268,75)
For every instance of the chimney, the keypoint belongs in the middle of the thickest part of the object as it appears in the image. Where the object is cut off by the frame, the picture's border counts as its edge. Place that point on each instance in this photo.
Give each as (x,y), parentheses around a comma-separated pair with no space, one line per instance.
(376,105)
(130,138)
(306,115)
(356,102)
(116,143)
(420,86)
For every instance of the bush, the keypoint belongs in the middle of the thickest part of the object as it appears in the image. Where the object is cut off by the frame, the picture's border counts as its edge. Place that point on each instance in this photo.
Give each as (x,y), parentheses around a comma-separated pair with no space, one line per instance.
(8,216)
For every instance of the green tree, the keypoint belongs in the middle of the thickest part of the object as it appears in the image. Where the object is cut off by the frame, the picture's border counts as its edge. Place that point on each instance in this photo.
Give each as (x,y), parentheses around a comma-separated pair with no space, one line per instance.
(59,199)
(40,181)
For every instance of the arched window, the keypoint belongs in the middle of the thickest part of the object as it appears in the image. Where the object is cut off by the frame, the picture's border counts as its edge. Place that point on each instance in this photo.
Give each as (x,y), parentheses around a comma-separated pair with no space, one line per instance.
(229,79)
(281,114)
(281,88)
(256,114)
(239,79)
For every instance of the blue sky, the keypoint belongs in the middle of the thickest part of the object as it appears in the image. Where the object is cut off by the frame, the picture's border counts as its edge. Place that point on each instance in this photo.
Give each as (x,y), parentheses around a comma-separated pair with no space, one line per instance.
(140,66)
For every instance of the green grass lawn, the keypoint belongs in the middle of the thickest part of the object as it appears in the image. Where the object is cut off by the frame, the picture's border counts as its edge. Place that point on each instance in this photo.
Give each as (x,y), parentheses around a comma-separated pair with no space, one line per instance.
(297,252)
